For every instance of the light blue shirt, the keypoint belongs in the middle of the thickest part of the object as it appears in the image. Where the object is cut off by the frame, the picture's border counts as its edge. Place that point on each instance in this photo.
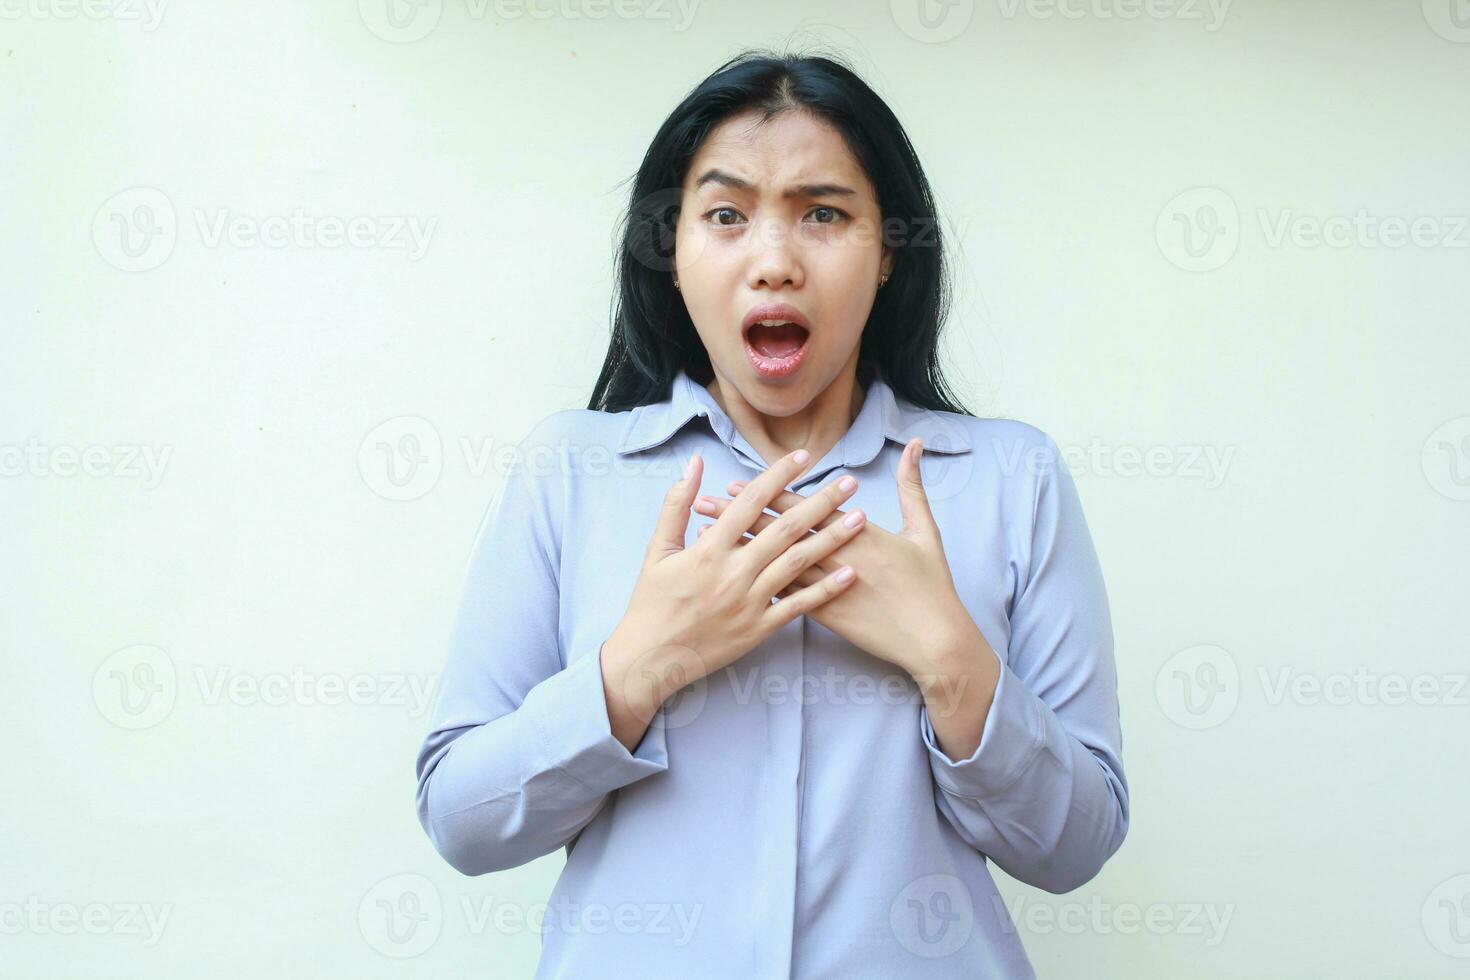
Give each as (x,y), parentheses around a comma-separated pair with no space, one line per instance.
(791,815)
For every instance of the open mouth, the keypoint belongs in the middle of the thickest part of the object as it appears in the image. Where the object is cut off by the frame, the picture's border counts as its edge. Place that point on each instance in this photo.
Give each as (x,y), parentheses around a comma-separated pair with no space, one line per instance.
(775,347)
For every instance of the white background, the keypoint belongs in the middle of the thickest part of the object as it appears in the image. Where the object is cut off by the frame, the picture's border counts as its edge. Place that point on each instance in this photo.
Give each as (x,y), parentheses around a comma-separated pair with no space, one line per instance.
(284,541)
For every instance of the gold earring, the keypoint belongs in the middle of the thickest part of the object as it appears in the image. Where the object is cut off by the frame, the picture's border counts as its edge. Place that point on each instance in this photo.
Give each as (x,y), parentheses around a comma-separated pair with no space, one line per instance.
(676,284)
(883,280)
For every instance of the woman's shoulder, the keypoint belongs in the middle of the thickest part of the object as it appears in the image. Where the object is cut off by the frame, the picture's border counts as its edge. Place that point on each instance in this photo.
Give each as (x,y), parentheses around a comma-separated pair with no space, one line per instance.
(961,430)
(1010,456)
(999,438)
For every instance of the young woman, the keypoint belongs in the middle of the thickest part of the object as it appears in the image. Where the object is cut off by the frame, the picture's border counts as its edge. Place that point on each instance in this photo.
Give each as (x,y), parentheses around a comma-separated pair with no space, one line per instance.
(784,742)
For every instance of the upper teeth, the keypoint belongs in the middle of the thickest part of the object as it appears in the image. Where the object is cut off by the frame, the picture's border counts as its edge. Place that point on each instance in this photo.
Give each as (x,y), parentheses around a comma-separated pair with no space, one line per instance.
(773,323)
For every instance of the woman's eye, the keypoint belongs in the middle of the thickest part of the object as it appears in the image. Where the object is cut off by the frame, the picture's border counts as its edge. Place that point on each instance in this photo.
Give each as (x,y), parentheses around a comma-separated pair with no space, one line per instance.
(837,214)
(833,215)
(722,224)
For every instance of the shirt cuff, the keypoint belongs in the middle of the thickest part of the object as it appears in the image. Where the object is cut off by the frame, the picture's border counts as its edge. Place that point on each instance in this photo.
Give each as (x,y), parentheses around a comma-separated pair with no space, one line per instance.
(579,740)
(1013,734)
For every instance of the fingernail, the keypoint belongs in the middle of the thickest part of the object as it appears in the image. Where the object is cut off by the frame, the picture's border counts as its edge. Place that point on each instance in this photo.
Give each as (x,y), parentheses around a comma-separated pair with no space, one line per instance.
(853,519)
(845,574)
(689,466)
(801,456)
(846,484)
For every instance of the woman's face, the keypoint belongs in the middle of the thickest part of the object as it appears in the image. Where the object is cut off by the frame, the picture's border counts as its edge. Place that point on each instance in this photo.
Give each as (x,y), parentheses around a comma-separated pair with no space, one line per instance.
(779,213)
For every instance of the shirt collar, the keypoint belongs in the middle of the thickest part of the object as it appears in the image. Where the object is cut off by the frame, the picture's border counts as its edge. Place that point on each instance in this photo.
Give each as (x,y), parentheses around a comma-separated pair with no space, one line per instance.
(883,416)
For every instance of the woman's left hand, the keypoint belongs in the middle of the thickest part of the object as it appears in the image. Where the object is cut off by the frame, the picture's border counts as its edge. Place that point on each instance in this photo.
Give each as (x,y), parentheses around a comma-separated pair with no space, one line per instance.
(903,608)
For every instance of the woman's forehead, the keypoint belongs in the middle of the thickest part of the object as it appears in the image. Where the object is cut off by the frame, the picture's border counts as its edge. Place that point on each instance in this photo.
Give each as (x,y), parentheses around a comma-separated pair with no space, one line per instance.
(787,152)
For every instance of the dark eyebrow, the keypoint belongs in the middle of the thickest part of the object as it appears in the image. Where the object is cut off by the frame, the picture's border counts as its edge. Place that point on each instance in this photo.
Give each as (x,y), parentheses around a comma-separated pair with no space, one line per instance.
(717,176)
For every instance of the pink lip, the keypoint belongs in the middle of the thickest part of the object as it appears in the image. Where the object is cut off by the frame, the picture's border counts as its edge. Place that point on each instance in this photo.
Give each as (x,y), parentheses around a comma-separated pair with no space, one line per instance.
(775,367)
(775,311)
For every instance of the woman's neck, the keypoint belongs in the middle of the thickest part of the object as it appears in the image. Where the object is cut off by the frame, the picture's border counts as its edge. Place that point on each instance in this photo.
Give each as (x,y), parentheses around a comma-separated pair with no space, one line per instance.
(816,427)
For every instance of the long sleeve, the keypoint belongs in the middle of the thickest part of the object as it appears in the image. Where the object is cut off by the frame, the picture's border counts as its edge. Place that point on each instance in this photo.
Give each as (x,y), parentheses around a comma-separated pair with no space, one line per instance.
(520,755)
(1044,795)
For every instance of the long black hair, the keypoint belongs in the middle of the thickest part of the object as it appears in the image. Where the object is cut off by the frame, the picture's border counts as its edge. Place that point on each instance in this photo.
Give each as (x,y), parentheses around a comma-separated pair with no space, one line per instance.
(653,336)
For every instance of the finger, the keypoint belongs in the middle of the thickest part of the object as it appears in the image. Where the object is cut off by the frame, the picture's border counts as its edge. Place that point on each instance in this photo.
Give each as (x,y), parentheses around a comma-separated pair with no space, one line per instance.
(792,526)
(753,499)
(805,554)
(825,562)
(804,600)
(761,523)
(912,500)
(673,519)
(809,577)
(784,501)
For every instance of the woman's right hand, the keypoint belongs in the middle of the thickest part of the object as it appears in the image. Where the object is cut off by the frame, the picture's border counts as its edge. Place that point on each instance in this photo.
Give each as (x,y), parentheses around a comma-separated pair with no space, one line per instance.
(699,609)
